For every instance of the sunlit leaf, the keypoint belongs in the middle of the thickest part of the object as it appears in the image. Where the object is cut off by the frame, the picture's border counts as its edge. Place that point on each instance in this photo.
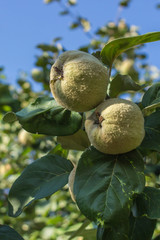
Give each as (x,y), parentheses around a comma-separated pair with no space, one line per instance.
(72,2)
(114,48)
(85,24)
(122,83)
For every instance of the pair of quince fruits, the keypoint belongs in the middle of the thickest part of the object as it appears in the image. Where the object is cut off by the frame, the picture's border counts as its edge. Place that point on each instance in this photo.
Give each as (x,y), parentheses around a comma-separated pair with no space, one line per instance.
(78,82)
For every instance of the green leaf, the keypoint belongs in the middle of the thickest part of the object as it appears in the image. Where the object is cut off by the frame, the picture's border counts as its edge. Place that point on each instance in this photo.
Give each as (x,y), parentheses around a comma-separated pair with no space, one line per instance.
(74,25)
(105,184)
(65,12)
(78,141)
(118,232)
(122,83)
(9,117)
(45,116)
(58,150)
(1,68)
(8,233)
(97,54)
(114,48)
(39,180)
(151,169)
(151,99)
(152,95)
(141,228)
(43,61)
(72,2)
(6,96)
(85,24)
(151,140)
(150,109)
(46,47)
(124,3)
(148,203)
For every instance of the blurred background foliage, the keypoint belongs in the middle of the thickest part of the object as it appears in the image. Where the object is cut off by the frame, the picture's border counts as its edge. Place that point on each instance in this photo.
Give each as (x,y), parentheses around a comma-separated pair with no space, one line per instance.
(51,218)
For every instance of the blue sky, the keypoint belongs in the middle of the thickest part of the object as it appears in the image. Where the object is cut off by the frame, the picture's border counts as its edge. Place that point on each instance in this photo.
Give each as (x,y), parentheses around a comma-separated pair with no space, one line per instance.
(26,23)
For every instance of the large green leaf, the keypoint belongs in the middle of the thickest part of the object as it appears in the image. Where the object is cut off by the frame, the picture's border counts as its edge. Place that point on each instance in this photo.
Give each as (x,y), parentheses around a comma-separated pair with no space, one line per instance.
(151,140)
(118,232)
(148,203)
(105,184)
(152,95)
(45,116)
(151,104)
(40,179)
(8,233)
(114,48)
(151,99)
(122,83)
(141,228)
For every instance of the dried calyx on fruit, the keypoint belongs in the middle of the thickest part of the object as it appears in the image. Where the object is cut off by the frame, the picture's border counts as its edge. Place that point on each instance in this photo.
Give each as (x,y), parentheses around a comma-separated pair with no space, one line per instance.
(116,126)
(78,81)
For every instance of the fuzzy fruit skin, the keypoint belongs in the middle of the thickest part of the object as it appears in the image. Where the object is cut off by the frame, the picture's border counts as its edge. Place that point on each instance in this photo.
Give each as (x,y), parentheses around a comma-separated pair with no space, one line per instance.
(116,126)
(78,81)
(71,183)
